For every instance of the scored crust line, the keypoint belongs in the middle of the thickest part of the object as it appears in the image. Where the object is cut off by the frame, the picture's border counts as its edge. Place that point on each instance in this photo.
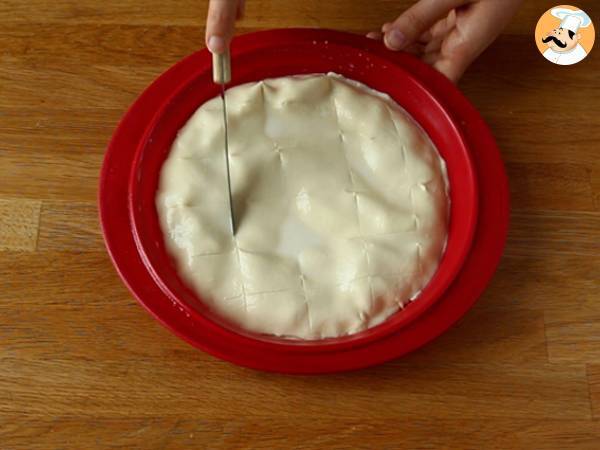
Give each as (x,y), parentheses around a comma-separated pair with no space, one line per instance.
(356,208)
(239,260)
(303,284)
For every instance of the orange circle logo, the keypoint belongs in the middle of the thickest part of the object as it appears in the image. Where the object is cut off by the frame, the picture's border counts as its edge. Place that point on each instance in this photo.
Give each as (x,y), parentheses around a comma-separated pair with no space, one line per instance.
(565,35)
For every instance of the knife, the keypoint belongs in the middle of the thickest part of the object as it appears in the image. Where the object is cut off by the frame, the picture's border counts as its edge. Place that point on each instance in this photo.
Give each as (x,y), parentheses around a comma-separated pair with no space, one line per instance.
(222,75)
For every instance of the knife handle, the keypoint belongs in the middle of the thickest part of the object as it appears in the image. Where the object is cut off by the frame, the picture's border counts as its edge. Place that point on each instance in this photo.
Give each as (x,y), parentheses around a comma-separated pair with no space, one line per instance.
(221,67)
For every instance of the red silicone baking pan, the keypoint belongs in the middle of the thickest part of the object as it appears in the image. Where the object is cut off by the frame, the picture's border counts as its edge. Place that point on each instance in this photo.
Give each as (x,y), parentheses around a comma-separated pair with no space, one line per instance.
(282,60)
(142,141)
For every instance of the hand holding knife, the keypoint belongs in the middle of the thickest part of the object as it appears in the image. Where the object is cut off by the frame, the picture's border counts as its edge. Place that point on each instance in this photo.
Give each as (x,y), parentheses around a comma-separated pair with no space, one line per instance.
(222,76)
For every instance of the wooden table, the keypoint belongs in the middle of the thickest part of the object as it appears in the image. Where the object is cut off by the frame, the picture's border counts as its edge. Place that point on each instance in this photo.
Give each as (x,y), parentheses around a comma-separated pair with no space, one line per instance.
(82,366)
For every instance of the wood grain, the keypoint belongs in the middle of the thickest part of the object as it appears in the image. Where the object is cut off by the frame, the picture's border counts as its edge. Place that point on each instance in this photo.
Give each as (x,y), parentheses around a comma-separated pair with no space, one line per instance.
(549,232)
(47,280)
(167,390)
(19,224)
(595,177)
(593,373)
(56,131)
(282,433)
(82,366)
(50,175)
(69,226)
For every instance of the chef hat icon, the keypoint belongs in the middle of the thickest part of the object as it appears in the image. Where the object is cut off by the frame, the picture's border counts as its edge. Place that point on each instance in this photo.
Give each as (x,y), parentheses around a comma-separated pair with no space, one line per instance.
(571,19)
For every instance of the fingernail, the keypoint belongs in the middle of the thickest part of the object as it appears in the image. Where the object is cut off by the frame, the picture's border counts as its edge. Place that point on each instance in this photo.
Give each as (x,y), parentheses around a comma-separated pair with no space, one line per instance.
(395,39)
(216,44)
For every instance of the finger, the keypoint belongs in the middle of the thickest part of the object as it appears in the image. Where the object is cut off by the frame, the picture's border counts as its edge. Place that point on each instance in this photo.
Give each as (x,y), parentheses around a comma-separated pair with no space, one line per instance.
(435,45)
(376,35)
(407,28)
(452,69)
(444,26)
(433,38)
(431,58)
(425,37)
(416,49)
(456,52)
(465,43)
(220,24)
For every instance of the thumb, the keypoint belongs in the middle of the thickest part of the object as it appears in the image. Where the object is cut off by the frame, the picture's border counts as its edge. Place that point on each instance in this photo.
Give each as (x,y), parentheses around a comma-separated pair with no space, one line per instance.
(220,24)
(420,17)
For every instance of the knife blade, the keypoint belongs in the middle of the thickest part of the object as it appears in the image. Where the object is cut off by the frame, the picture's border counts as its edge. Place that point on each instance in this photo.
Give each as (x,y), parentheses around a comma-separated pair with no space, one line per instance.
(222,76)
